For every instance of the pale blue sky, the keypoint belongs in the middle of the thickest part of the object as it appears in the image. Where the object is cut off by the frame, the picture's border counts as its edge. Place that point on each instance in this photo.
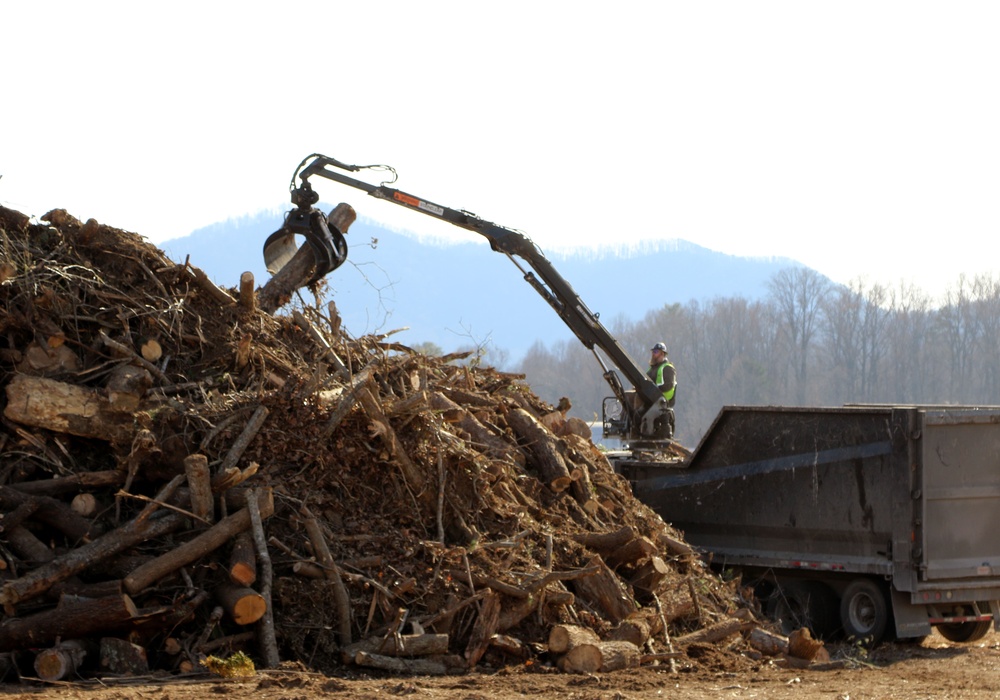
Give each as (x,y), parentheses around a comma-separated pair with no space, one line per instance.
(858,137)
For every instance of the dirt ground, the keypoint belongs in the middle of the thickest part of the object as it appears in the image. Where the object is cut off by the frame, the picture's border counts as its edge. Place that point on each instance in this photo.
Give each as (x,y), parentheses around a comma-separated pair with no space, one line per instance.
(933,669)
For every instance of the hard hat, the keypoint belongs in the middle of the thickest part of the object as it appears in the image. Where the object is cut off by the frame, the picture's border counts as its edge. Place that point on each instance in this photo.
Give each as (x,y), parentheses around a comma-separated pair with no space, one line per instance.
(661,347)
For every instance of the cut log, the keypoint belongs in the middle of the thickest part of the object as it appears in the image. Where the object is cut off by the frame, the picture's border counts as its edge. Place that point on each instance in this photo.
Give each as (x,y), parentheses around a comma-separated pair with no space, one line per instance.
(248,300)
(543,447)
(714,633)
(199,479)
(648,577)
(206,542)
(243,605)
(267,639)
(62,660)
(605,543)
(422,666)
(66,408)
(604,591)
(767,643)
(403,645)
(76,620)
(297,272)
(84,504)
(49,511)
(635,630)
(802,645)
(562,638)
(122,657)
(67,484)
(126,386)
(242,560)
(600,657)
(29,548)
(632,553)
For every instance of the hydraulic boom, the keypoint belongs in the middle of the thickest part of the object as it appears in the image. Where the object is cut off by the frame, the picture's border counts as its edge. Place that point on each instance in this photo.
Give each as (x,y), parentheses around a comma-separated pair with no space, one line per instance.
(644,417)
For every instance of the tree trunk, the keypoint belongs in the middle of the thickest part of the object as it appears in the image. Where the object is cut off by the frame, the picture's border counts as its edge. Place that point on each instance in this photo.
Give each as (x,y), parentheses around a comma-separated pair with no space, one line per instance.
(605,592)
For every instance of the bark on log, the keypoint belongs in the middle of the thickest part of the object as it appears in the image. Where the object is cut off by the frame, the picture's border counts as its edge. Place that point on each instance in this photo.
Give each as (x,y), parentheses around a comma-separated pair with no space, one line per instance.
(65,408)
(206,542)
(633,552)
(267,640)
(243,605)
(768,643)
(634,630)
(562,638)
(543,447)
(49,511)
(483,630)
(714,633)
(512,615)
(73,562)
(76,620)
(29,548)
(403,645)
(676,546)
(605,543)
(199,479)
(422,666)
(333,574)
(67,484)
(605,592)
(122,657)
(242,560)
(251,429)
(600,657)
(648,577)
(126,386)
(299,270)
(248,300)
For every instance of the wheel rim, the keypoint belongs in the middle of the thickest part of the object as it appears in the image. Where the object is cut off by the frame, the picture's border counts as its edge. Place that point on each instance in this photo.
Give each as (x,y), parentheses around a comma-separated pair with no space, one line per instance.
(863,612)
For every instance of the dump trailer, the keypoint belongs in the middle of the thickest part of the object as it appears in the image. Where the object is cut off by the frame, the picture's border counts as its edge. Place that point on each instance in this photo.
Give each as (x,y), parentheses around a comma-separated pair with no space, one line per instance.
(873,521)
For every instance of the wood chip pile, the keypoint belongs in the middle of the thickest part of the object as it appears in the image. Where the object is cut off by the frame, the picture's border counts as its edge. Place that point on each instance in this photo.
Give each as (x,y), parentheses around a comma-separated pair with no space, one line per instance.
(184,476)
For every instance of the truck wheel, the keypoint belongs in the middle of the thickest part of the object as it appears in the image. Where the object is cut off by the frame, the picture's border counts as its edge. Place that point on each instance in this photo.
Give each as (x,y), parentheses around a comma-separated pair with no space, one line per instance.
(964,631)
(864,613)
(808,604)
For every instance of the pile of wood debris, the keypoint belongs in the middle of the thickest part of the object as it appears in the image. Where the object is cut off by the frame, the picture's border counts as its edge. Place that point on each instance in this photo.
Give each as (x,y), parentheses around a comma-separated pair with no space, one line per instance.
(186,476)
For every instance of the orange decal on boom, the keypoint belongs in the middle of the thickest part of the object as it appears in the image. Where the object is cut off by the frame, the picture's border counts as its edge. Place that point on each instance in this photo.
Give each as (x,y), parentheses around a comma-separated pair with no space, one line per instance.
(406,199)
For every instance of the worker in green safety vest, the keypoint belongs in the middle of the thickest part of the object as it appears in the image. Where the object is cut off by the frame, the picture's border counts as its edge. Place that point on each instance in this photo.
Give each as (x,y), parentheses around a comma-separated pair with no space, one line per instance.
(663,373)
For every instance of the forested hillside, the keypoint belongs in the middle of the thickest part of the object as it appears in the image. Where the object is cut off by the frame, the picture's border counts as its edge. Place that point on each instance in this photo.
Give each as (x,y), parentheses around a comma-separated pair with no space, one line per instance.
(808,342)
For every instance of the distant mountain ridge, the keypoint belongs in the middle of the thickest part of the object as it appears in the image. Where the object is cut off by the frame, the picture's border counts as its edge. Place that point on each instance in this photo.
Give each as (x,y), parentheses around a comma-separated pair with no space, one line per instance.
(461,294)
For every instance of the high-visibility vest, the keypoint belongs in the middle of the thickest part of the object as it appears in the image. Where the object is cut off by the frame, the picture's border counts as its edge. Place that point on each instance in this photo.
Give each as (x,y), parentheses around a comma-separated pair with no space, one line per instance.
(657,378)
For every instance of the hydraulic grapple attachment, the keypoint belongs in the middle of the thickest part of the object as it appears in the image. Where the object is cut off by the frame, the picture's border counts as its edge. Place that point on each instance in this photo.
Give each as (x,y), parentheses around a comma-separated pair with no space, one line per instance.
(328,246)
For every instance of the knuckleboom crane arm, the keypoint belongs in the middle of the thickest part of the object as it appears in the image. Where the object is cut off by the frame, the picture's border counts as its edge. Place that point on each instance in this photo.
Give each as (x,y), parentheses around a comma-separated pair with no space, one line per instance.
(543,277)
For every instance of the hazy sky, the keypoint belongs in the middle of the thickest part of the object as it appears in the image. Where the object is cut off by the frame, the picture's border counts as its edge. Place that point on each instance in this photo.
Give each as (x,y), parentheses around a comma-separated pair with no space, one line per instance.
(860,138)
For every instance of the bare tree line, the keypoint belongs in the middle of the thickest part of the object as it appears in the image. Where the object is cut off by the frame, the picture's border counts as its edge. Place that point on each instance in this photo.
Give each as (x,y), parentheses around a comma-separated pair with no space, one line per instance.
(809,342)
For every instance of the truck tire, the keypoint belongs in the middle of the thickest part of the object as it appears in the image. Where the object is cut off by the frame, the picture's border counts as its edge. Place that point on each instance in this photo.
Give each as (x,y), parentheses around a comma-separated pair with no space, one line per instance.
(964,631)
(809,604)
(864,612)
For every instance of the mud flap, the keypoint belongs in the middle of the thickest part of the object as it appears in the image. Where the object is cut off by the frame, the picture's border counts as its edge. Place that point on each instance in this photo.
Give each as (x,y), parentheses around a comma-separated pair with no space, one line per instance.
(910,619)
